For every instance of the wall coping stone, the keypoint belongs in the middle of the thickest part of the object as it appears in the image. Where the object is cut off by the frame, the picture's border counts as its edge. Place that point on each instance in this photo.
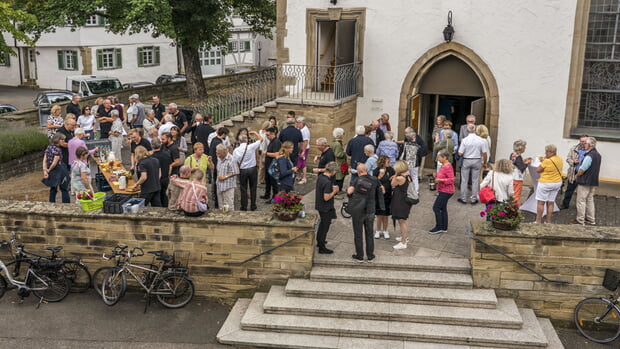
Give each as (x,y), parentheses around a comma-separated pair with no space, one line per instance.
(551,231)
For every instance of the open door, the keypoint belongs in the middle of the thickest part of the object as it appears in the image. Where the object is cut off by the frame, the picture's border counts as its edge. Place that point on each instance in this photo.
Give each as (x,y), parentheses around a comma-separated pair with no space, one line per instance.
(414,114)
(477,109)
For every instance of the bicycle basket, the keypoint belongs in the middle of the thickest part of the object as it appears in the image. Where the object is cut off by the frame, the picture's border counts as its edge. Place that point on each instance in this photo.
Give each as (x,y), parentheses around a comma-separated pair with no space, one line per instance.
(181,259)
(611,280)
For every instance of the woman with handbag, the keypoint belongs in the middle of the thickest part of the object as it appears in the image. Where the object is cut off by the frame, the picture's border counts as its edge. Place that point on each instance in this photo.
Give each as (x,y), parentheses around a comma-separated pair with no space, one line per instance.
(549,183)
(400,182)
(341,157)
(55,174)
(500,181)
(194,197)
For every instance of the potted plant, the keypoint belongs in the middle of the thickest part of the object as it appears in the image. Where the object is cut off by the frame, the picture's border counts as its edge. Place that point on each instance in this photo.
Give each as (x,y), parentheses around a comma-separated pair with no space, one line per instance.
(503,215)
(287,205)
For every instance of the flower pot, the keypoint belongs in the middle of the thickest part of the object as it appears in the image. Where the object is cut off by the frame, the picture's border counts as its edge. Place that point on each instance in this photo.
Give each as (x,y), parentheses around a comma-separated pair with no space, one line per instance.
(285,215)
(502,226)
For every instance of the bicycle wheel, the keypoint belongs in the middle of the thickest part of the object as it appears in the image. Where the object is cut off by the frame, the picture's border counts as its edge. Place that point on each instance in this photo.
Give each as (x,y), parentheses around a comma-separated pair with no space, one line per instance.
(174,291)
(78,274)
(343,210)
(598,320)
(58,286)
(113,286)
(2,286)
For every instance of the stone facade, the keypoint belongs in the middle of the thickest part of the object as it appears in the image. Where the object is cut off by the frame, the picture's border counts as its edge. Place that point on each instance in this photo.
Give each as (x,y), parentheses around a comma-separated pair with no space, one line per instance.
(211,241)
(575,254)
(25,164)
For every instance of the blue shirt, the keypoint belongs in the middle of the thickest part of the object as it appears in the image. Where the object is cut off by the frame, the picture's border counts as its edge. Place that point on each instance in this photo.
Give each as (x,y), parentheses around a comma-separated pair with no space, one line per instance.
(585,163)
(371,163)
(388,148)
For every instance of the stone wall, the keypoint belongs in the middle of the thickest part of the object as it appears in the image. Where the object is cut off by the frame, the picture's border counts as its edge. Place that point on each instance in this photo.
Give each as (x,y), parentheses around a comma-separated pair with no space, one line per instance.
(571,253)
(211,240)
(25,164)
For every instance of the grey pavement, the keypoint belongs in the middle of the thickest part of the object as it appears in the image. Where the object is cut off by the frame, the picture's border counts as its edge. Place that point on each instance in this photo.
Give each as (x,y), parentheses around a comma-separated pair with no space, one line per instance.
(19,97)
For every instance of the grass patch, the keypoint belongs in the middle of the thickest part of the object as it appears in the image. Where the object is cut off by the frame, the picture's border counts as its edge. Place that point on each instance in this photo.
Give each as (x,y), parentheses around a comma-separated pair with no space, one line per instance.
(17,142)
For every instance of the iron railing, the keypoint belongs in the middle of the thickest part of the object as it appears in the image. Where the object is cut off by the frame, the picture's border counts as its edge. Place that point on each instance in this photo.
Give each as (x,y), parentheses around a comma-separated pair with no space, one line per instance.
(318,82)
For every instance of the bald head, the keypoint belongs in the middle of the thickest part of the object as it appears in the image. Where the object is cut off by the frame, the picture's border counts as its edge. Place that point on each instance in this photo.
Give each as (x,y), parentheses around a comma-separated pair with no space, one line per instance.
(185,171)
(361,169)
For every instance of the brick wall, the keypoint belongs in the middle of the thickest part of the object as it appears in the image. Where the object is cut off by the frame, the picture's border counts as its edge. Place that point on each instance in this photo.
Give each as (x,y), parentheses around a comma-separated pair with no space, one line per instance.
(212,240)
(575,254)
(25,164)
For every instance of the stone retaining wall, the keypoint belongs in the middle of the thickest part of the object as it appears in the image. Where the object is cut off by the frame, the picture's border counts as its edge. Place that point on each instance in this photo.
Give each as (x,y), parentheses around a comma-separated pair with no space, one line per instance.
(211,240)
(25,164)
(571,253)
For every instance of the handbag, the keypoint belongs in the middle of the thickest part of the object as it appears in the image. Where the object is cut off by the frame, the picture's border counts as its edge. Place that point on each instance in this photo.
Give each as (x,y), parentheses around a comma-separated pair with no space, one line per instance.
(344,167)
(487,194)
(202,207)
(412,197)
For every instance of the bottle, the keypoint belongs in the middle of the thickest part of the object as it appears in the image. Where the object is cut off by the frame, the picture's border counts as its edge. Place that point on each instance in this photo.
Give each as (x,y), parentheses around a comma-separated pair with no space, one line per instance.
(302,213)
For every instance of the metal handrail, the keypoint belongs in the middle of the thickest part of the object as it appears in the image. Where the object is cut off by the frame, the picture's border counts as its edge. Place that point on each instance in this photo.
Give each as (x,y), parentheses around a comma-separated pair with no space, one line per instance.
(471,236)
(277,246)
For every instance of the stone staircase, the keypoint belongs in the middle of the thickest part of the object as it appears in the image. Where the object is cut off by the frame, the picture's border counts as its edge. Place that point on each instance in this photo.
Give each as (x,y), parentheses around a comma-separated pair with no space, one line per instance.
(394,302)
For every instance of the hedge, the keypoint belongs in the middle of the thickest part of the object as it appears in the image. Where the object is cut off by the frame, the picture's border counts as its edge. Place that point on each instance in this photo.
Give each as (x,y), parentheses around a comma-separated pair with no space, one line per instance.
(16,142)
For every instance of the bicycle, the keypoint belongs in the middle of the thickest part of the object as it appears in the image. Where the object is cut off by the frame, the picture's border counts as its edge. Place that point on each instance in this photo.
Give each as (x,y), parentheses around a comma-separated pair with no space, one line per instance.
(168,282)
(118,253)
(45,279)
(344,210)
(76,271)
(598,319)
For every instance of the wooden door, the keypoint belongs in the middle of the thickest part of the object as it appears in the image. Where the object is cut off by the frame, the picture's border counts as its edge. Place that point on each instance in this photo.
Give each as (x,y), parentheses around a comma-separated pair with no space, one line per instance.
(414,114)
(477,109)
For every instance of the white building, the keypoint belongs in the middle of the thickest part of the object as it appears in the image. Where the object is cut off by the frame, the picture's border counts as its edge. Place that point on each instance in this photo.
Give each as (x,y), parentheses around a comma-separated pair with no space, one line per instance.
(90,50)
(542,71)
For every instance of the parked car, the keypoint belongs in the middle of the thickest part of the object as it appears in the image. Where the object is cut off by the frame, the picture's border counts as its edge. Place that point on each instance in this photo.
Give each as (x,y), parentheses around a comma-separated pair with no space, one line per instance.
(46,99)
(88,85)
(165,78)
(137,84)
(6,108)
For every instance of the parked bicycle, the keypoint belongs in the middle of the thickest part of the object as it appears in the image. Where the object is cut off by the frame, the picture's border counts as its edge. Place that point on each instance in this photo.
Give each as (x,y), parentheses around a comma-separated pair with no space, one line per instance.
(45,279)
(166,280)
(598,319)
(76,271)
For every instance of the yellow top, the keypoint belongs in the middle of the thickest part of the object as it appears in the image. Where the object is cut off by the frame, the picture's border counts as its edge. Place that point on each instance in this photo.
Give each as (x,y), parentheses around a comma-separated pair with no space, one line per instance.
(203,164)
(551,173)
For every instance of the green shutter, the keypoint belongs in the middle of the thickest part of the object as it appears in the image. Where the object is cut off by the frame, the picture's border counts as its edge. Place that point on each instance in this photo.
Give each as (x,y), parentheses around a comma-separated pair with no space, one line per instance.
(156,53)
(99,59)
(5,59)
(140,57)
(119,58)
(247,45)
(100,20)
(75,60)
(61,60)
(230,48)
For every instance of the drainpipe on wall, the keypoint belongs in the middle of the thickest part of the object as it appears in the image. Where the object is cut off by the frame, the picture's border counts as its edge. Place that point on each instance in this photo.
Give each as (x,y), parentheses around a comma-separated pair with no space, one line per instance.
(19,58)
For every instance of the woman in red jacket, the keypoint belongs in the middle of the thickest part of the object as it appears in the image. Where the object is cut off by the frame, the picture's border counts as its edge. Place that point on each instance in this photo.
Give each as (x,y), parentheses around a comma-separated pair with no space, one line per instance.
(445,186)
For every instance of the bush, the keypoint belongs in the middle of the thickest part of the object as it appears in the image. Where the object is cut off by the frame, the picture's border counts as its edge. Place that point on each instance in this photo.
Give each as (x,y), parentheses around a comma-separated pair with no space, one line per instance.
(16,142)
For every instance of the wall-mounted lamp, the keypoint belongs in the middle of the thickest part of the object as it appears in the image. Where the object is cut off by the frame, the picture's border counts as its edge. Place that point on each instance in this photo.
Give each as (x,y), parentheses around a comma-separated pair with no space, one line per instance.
(334,2)
(448,31)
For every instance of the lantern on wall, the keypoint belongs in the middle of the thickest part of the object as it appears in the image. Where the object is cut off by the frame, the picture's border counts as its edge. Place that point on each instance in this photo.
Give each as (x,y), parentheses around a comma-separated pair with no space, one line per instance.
(448,31)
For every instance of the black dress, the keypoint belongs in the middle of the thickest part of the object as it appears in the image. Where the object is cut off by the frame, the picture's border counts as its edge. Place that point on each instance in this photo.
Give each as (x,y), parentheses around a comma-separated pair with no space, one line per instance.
(400,208)
(387,197)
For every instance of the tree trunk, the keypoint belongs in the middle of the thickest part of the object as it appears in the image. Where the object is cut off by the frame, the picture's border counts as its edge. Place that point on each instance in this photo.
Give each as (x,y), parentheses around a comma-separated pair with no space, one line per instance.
(196,90)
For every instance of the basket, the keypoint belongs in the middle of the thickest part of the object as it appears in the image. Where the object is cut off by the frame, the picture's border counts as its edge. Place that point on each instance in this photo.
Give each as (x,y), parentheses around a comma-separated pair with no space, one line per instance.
(95,203)
(611,280)
(133,205)
(102,183)
(114,204)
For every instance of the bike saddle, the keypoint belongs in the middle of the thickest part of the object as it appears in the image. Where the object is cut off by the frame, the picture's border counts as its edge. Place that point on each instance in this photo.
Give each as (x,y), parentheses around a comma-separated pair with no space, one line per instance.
(54,249)
(166,259)
(157,253)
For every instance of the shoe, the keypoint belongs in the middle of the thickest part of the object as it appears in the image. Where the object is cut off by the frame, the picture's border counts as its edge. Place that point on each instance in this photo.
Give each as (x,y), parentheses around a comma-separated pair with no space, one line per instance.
(435,231)
(253,209)
(264,197)
(244,209)
(325,251)
(386,234)
(574,222)
(590,223)
(270,201)
(473,202)
(303,181)
(563,207)
(377,234)
(357,258)
(461,201)
(370,258)
(400,238)
(400,246)
(444,230)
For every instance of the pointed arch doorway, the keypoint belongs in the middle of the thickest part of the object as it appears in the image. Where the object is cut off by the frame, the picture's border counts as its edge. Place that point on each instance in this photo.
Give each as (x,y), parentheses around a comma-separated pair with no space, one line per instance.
(453,80)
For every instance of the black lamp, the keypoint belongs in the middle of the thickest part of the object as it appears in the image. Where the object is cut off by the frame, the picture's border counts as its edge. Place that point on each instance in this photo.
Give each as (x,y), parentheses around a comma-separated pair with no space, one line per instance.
(448,31)
(333,2)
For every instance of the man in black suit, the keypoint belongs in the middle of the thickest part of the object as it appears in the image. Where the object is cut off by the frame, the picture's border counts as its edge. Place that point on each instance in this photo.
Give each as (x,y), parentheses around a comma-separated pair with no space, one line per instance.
(293,135)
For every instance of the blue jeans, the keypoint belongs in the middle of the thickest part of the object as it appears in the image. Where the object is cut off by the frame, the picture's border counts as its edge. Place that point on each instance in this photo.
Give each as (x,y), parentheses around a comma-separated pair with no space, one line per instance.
(440,207)
(92,135)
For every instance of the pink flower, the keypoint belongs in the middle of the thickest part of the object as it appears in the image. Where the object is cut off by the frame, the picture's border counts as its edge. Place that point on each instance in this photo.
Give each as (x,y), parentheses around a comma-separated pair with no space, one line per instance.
(502,214)
(482,214)
(493,216)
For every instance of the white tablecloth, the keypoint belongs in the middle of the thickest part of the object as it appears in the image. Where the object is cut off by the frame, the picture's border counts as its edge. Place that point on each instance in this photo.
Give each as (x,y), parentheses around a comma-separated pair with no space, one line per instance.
(531,203)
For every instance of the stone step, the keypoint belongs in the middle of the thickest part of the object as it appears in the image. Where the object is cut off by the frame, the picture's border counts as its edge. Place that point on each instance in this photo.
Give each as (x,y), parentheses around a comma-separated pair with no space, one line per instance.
(480,298)
(445,265)
(232,333)
(552,336)
(272,104)
(506,315)
(529,336)
(391,277)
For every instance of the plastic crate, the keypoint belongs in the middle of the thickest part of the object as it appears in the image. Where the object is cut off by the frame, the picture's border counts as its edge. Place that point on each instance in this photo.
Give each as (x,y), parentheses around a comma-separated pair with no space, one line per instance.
(95,203)
(114,203)
(91,144)
(133,205)
(611,280)
(102,183)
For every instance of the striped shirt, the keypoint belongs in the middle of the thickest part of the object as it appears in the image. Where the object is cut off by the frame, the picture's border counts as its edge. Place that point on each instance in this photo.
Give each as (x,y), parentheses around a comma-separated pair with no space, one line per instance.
(225,167)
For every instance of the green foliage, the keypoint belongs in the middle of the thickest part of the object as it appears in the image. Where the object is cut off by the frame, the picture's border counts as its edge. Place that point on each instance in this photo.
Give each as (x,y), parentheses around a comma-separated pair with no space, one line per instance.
(11,21)
(15,143)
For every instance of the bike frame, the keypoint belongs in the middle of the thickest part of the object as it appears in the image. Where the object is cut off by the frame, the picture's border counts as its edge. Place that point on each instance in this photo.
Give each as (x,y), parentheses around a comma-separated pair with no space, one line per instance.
(24,284)
(127,268)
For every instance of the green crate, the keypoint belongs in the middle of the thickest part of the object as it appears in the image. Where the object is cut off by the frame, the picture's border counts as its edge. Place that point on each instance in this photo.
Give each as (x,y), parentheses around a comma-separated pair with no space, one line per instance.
(95,203)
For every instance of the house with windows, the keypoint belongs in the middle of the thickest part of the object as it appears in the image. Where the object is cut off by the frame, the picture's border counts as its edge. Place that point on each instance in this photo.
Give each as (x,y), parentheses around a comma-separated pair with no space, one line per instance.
(542,71)
(90,50)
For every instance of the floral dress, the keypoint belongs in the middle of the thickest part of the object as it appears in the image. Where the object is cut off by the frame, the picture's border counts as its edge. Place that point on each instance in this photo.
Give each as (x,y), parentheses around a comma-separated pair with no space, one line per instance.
(77,168)
(55,121)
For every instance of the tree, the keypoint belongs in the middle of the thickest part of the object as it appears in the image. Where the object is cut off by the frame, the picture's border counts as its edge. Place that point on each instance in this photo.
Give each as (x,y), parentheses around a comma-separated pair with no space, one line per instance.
(9,18)
(191,24)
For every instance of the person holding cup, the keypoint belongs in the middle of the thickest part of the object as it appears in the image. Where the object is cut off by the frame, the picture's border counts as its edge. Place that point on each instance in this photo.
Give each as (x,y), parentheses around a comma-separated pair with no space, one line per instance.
(384,173)
(324,203)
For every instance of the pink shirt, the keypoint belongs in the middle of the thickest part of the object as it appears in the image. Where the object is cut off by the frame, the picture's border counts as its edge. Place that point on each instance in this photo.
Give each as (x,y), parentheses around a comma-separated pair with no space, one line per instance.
(446,173)
(75,143)
(187,199)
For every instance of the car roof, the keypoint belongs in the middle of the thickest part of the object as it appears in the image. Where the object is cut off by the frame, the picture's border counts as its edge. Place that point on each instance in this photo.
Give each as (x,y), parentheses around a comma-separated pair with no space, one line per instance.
(56,92)
(7,105)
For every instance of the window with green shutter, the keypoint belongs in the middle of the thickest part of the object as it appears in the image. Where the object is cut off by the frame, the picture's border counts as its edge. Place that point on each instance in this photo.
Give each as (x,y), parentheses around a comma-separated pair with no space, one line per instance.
(109,58)
(140,56)
(148,56)
(5,60)
(246,45)
(67,60)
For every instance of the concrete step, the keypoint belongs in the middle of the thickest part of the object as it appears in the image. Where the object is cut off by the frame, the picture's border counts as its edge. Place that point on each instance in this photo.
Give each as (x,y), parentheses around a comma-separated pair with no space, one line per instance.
(552,336)
(529,336)
(506,315)
(445,265)
(480,298)
(272,104)
(238,118)
(232,333)
(391,277)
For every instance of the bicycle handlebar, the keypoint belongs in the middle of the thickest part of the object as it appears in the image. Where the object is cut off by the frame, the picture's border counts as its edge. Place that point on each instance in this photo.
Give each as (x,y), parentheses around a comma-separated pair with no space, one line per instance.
(136,249)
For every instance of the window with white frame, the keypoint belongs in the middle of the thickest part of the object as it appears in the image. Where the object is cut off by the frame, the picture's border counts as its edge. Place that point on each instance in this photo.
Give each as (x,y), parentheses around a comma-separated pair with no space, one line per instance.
(148,56)
(92,20)
(67,60)
(109,58)
(210,57)
(5,60)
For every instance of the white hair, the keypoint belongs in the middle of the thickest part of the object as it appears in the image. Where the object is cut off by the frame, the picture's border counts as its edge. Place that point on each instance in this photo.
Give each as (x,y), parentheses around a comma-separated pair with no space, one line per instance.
(369,148)
(338,133)
(360,130)
(389,135)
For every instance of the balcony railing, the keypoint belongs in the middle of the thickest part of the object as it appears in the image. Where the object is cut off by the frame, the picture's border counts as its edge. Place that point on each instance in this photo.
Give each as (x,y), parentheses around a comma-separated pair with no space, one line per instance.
(325,83)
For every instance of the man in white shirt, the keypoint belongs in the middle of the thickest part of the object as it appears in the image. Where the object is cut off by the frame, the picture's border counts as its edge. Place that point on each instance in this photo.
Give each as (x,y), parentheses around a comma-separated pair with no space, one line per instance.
(474,154)
(168,122)
(304,148)
(245,156)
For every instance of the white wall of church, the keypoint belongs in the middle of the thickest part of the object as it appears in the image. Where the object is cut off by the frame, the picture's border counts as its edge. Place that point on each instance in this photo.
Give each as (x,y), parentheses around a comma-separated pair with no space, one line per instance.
(526,44)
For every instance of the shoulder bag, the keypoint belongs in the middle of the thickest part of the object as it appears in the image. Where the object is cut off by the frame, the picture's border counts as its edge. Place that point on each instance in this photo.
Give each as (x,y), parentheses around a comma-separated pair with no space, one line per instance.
(487,194)
(202,207)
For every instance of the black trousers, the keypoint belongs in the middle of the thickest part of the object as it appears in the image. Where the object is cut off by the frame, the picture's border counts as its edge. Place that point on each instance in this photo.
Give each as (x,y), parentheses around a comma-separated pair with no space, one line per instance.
(164,182)
(440,208)
(568,194)
(363,225)
(326,221)
(248,177)
(271,185)
(153,199)
(214,188)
